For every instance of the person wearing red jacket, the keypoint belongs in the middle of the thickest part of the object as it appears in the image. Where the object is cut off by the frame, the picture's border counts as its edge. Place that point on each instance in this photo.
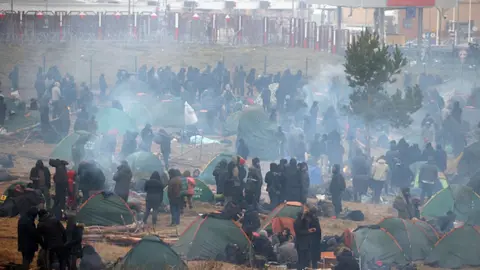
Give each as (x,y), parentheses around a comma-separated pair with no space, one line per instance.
(190,189)
(71,191)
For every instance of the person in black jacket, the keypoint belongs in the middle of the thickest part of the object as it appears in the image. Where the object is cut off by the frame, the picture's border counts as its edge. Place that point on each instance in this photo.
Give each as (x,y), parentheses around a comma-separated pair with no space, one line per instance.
(315,238)
(441,158)
(220,173)
(154,189)
(346,261)
(123,178)
(73,246)
(40,176)
(337,187)
(303,242)
(250,222)
(28,237)
(272,178)
(293,185)
(61,185)
(53,237)
(91,260)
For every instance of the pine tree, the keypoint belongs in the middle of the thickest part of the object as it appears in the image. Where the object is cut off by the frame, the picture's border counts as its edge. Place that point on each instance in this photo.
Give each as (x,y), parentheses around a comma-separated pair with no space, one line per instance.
(369,67)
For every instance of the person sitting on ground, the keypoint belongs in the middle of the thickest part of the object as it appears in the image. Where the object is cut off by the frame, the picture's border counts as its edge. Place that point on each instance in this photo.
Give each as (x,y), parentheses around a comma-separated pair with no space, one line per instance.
(282,237)
(250,222)
(231,210)
(91,260)
(404,205)
(445,223)
(346,261)
(263,249)
(287,253)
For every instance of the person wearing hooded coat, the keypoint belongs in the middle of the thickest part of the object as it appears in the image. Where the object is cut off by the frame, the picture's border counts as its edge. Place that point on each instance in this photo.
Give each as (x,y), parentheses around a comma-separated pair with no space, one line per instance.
(220,173)
(40,176)
(73,244)
(303,241)
(28,237)
(305,180)
(259,176)
(123,178)
(174,195)
(154,189)
(91,260)
(251,221)
(147,138)
(360,175)
(90,178)
(346,261)
(61,185)
(53,237)
(337,187)
(293,185)
(274,188)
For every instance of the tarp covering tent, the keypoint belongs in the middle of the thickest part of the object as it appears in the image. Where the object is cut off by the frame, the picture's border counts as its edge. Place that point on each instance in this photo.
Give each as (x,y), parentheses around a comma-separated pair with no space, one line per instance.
(114,119)
(459,247)
(143,164)
(105,209)
(462,200)
(207,237)
(207,173)
(202,192)
(63,150)
(151,253)
(415,242)
(286,209)
(258,132)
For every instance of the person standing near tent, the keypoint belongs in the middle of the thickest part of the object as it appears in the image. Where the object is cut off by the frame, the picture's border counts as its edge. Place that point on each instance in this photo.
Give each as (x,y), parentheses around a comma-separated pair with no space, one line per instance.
(165,142)
(303,241)
(337,187)
(3,111)
(40,176)
(102,83)
(28,237)
(61,185)
(272,178)
(305,180)
(174,195)
(53,237)
(380,175)
(220,173)
(259,176)
(428,177)
(441,158)
(123,178)
(190,192)
(56,99)
(154,189)
(360,175)
(147,137)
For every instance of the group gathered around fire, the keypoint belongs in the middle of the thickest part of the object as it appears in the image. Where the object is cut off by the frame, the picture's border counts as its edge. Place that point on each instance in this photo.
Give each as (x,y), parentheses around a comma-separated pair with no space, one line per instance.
(239,185)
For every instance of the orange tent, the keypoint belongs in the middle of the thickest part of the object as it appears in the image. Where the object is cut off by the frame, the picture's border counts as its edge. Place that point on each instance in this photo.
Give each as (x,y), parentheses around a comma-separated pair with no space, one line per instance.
(281,223)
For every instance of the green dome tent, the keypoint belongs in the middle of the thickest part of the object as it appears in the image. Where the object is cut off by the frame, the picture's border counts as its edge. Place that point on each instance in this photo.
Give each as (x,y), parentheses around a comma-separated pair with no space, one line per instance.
(207,237)
(114,119)
(459,247)
(169,113)
(462,200)
(415,242)
(151,253)
(105,209)
(63,150)
(139,113)
(258,132)
(207,173)
(202,192)
(286,209)
(230,127)
(372,244)
(143,164)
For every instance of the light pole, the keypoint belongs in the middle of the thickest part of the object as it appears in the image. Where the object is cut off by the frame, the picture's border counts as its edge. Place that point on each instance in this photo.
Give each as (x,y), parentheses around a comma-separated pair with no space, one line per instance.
(470,21)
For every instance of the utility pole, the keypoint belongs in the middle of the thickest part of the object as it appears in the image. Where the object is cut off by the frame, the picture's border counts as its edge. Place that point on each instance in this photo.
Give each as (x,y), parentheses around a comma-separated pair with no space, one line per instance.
(469,21)
(11,5)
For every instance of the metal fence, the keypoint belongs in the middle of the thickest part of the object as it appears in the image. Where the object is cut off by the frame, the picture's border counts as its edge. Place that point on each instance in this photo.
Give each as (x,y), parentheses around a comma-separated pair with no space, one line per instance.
(48,27)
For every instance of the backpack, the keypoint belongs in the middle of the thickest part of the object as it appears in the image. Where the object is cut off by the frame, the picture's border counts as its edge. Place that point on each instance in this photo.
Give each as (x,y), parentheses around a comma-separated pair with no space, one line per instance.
(251,185)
